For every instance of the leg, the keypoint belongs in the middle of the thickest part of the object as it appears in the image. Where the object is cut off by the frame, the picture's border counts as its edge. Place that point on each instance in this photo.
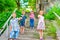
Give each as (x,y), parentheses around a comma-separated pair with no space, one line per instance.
(11,35)
(41,34)
(16,35)
(22,30)
(32,23)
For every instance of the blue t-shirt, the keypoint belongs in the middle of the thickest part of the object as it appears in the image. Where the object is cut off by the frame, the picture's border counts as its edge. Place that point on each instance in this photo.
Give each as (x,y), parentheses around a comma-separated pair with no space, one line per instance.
(23,19)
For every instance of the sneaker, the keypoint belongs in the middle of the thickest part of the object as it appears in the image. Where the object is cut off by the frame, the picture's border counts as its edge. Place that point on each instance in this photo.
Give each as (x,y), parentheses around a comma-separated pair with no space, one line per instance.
(41,39)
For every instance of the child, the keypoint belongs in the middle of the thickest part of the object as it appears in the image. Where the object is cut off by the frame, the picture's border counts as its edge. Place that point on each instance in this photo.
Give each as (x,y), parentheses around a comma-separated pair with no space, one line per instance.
(22,22)
(41,24)
(14,27)
(31,19)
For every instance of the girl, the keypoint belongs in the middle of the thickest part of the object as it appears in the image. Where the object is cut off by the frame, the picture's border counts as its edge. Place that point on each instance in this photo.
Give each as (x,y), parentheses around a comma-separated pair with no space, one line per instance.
(22,22)
(31,19)
(41,24)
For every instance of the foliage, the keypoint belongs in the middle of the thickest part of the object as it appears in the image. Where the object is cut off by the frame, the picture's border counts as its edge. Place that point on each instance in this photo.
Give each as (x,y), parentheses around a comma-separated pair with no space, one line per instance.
(58,22)
(32,3)
(3,18)
(6,8)
(50,15)
(6,5)
(51,30)
(18,13)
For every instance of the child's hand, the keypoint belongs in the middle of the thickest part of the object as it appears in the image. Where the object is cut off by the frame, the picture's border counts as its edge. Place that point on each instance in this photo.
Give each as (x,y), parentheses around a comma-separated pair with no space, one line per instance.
(20,18)
(38,16)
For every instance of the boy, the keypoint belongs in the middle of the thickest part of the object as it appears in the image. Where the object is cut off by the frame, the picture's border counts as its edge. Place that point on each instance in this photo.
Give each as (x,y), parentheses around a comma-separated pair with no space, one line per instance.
(22,22)
(14,27)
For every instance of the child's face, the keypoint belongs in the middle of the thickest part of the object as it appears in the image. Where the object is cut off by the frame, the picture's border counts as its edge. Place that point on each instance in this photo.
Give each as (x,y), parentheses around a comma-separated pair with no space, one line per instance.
(14,15)
(23,12)
(32,12)
(41,12)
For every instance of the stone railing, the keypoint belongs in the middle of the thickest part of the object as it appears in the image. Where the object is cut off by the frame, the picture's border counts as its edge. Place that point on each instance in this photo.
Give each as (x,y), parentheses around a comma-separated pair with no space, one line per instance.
(57,15)
(57,29)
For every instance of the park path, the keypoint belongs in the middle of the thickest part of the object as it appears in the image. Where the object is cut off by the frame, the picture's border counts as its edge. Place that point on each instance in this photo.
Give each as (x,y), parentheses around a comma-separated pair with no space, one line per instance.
(28,35)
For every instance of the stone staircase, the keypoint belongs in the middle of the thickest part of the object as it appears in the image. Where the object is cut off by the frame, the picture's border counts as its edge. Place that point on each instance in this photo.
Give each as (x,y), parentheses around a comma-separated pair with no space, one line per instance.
(28,35)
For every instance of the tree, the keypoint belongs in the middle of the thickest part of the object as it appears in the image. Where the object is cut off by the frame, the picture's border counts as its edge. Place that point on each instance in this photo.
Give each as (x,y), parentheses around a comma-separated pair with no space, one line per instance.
(41,4)
(18,4)
(7,5)
(32,4)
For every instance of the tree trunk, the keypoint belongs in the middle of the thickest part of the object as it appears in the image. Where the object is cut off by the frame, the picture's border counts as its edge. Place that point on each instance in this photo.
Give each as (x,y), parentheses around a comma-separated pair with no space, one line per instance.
(41,5)
(18,4)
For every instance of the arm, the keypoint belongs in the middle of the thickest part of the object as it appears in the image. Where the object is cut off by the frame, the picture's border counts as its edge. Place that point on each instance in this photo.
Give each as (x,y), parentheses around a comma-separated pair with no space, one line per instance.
(20,18)
(10,25)
(38,16)
(10,28)
(45,23)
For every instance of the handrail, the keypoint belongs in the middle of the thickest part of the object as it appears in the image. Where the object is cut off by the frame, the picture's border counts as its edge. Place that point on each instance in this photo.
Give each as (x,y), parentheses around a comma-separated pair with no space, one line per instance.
(58,32)
(57,15)
(7,22)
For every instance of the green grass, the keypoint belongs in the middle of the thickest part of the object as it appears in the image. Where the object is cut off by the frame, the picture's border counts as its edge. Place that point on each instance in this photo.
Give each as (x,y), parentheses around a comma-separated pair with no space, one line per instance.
(51,30)
(58,22)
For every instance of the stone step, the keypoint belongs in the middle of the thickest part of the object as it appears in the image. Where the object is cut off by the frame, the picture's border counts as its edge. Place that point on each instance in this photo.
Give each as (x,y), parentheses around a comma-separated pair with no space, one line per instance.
(27,39)
(25,35)
(3,38)
(49,38)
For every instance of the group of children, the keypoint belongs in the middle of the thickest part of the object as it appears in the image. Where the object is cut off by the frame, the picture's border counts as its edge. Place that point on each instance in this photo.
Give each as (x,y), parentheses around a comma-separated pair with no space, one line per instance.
(17,24)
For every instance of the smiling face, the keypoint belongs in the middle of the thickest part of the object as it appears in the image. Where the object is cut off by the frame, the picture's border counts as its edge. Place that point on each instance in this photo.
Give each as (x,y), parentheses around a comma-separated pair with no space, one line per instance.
(14,15)
(32,12)
(41,12)
(23,12)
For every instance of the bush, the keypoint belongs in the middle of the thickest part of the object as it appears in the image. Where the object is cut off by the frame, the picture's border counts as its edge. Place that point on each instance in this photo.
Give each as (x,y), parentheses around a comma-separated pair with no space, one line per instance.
(3,18)
(6,5)
(50,15)
(18,13)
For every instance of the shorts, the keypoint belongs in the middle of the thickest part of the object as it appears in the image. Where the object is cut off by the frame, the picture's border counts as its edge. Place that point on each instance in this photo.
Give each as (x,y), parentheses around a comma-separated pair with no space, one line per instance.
(14,34)
(22,24)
